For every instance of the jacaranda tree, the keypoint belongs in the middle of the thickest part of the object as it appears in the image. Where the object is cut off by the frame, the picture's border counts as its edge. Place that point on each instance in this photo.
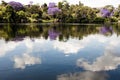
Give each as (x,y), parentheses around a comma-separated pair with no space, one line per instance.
(16,5)
(53,10)
(106,13)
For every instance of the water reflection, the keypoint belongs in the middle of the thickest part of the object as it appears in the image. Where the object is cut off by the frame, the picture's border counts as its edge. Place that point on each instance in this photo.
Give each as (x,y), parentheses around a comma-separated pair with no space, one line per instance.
(72,46)
(108,61)
(106,30)
(24,57)
(25,60)
(40,50)
(53,34)
(87,75)
(6,47)
(63,32)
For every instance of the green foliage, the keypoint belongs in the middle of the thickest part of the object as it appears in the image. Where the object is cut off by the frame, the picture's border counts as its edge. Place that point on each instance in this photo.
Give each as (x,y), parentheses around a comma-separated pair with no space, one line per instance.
(44,7)
(77,13)
(114,19)
(21,16)
(99,20)
(9,14)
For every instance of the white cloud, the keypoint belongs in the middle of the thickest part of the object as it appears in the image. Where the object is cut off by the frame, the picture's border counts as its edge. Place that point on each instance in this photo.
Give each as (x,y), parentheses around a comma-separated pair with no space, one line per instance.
(36,45)
(25,60)
(29,45)
(88,75)
(71,46)
(108,61)
(6,47)
(74,46)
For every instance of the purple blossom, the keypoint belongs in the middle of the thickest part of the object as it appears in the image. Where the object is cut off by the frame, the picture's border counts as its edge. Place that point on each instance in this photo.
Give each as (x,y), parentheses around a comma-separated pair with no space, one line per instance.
(106,13)
(51,5)
(53,34)
(16,5)
(52,9)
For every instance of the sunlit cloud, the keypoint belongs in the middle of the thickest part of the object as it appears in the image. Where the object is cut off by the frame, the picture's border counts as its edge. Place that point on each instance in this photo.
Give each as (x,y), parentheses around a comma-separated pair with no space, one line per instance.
(108,61)
(88,75)
(25,60)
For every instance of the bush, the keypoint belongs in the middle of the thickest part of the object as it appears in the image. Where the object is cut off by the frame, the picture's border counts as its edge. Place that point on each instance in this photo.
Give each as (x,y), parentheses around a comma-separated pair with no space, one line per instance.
(114,19)
(99,20)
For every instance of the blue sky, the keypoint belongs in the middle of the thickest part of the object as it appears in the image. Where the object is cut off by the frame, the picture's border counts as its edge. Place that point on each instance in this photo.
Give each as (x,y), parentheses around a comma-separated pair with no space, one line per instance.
(91,3)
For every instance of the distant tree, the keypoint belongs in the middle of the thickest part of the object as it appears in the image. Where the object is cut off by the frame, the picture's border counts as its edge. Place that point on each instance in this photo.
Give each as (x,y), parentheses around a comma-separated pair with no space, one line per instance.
(53,10)
(110,8)
(16,5)
(21,16)
(10,14)
(117,12)
(4,3)
(44,7)
(106,13)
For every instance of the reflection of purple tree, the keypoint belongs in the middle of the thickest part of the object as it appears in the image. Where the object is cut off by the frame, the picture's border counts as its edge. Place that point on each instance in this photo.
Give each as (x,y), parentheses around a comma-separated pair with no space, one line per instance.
(106,13)
(53,34)
(16,5)
(52,9)
(105,30)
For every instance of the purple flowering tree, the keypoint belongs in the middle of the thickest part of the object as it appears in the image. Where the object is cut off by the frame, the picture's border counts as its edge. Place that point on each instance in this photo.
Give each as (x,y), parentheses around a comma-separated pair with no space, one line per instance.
(106,13)
(16,5)
(52,9)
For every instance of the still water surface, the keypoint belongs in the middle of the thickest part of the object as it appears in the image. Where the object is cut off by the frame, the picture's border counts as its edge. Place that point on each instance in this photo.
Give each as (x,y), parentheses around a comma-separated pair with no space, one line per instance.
(59,52)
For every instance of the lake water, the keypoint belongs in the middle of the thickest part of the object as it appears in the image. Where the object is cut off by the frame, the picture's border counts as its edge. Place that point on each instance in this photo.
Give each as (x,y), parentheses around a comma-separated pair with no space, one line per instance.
(59,52)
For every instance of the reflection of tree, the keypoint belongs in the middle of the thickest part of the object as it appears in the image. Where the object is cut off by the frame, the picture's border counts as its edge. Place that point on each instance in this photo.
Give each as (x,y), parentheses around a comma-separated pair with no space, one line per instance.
(53,33)
(106,30)
(25,60)
(87,75)
(63,32)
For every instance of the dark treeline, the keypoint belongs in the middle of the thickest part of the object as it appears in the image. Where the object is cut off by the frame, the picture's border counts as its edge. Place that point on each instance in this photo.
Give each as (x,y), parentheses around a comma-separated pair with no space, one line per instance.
(61,12)
(62,32)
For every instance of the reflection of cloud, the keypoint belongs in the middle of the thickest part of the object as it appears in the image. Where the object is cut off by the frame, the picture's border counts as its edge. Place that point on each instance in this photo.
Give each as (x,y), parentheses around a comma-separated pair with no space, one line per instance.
(109,61)
(6,47)
(37,44)
(88,75)
(74,46)
(71,46)
(25,60)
